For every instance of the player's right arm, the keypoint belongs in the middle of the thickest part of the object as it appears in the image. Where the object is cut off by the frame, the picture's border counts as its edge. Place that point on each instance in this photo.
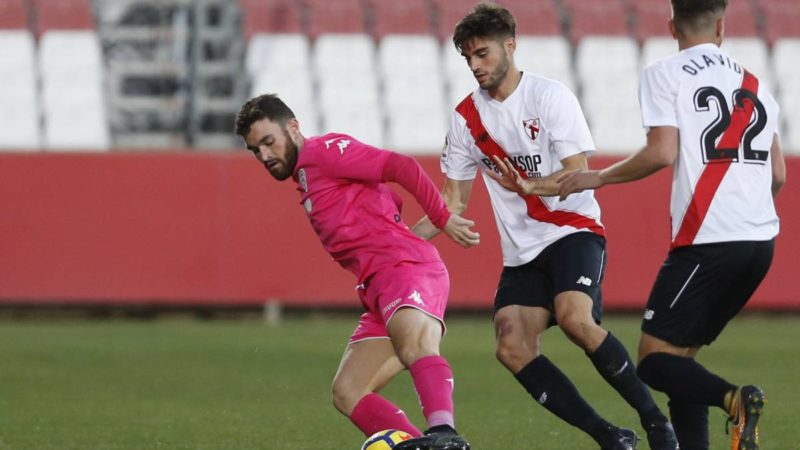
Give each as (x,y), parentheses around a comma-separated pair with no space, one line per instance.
(778,166)
(661,151)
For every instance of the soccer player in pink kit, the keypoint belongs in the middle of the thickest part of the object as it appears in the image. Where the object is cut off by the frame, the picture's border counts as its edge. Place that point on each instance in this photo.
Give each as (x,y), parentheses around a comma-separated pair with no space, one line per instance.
(403,284)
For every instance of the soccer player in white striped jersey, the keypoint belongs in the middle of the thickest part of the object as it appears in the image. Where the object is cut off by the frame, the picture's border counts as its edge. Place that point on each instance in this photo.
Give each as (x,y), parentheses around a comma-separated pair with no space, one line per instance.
(523,131)
(718,125)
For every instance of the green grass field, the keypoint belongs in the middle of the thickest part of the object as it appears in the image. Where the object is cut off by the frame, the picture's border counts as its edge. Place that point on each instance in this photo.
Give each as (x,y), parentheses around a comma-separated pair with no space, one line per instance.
(237,384)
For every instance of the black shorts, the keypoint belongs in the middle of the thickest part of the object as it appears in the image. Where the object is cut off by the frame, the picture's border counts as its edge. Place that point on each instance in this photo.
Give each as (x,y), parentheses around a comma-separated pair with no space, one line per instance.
(700,288)
(573,263)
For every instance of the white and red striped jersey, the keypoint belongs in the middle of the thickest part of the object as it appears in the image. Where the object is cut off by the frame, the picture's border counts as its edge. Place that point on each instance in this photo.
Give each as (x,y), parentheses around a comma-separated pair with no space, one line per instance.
(537,126)
(721,185)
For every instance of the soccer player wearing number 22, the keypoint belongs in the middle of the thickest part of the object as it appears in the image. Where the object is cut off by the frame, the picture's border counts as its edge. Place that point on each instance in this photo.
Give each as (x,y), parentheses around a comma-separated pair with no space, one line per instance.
(718,124)
(403,284)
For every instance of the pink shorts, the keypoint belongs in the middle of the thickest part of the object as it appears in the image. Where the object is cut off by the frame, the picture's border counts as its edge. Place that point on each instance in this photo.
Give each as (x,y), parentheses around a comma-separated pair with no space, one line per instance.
(424,286)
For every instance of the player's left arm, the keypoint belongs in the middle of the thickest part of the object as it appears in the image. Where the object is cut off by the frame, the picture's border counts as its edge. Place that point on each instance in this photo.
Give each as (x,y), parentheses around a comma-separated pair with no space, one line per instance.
(778,166)
(510,178)
(406,171)
(661,151)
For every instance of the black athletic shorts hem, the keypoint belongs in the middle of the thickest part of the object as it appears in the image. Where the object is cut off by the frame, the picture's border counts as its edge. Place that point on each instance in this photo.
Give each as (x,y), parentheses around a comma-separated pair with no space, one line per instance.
(700,288)
(575,262)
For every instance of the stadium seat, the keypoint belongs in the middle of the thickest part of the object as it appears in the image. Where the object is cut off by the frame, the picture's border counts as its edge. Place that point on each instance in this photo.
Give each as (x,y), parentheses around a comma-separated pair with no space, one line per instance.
(13,15)
(406,62)
(351,53)
(789,102)
(72,98)
(281,64)
(786,63)
(58,51)
(617,129)
(63,15)
(608,71)
(19,111)
(347,77)
(548,56)
(413,91)
(295,90)
(740,19)
(448,13)
(277,52)
(752,54)
(780,19)
(596,17)
(405,17)
(417,132)
(340,16)
(75,122)
(658,47)
(458,77)
(604,60)
(363,122)
(650,19)
(269,16)
(534,17)
(786,66)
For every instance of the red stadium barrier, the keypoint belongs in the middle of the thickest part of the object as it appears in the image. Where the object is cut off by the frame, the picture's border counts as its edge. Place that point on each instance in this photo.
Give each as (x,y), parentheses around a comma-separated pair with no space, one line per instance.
(187,229)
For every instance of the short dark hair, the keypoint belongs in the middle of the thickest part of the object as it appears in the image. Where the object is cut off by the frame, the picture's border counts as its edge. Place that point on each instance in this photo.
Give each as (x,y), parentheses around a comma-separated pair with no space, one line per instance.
(485,20)
(694,15)
(266,106)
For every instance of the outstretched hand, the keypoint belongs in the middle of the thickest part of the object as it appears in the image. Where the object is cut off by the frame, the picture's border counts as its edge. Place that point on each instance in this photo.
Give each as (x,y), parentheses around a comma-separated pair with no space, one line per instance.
(509,176)
(458,229)
(578,181)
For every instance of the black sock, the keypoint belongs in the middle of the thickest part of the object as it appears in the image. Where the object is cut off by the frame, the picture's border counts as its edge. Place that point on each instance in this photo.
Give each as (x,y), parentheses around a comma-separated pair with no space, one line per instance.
(683,380)
(612,361)
(691,425)
(553,390)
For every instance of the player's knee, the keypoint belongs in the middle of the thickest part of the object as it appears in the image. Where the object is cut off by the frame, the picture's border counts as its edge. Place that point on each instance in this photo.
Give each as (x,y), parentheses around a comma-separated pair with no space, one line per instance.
(345,395)
(411,351)
(514,354)
(577,327)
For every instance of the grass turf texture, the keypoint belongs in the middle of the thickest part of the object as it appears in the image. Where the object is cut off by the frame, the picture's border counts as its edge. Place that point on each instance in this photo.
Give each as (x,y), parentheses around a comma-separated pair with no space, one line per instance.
(190,384)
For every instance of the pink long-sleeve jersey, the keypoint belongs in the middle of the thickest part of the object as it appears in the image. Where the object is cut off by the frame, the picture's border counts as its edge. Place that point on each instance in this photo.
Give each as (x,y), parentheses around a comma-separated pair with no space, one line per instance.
(342,184)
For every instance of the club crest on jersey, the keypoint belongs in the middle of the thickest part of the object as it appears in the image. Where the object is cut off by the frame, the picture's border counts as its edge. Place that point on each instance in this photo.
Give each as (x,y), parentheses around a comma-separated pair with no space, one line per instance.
(531,128)
(301,178)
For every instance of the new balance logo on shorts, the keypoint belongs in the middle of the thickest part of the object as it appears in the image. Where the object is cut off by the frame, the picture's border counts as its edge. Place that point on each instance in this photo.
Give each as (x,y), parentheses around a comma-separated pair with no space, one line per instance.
(586,281)
(542,398)
(648,314)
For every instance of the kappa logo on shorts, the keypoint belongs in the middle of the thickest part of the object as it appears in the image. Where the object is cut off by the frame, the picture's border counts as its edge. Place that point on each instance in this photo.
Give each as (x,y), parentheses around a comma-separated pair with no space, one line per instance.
(586,281)
(417,298)
(648,314)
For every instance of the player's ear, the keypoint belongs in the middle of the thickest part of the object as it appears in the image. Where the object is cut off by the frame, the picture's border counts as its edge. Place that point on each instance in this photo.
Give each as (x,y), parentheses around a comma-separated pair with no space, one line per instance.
(720,29)
(510,44)
(672,29)
(294,128)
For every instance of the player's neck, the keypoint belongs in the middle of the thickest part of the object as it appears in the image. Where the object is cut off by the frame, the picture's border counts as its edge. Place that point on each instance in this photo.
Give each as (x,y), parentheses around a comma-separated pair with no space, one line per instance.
(507,87)
(685,42)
